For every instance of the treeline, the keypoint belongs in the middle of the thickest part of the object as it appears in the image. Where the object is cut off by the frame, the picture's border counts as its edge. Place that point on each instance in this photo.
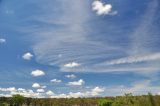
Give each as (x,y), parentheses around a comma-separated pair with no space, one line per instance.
(126,100)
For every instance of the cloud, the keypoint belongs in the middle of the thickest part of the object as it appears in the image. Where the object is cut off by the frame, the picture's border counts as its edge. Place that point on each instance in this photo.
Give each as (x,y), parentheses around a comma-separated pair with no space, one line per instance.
(50,93)
(36,85)
(10,89)
(71,65)
(37,73)
(101,8)
(135,59)
(55,81)
(40,90)
(96,91)
(72,76)
(43,87)
(27,56)
(76,83)
(2,40)
(8,92)
(90,93)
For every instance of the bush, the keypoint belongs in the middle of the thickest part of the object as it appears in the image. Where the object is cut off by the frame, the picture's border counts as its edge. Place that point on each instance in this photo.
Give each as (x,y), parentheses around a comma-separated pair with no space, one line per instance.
(104,102)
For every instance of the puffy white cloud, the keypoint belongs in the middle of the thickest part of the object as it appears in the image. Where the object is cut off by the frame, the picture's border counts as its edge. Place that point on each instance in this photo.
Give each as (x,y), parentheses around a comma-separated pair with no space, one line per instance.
(101,8)
(56,81)
(76,83)
(8,92)
(2,40)
(91,93)
(40,90)
(71,65)
(70,76)
(10,89)
(36,85)
(27,56)
(50,93)
(95,91)
(37,73)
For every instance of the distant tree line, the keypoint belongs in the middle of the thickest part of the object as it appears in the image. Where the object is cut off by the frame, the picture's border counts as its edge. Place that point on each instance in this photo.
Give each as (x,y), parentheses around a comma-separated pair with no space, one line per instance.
(126,100)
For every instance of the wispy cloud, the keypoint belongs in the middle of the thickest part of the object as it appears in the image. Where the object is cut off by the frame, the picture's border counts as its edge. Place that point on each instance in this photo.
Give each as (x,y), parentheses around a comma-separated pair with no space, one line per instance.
(55,81)
(2,40)
(70,76)
(135,59)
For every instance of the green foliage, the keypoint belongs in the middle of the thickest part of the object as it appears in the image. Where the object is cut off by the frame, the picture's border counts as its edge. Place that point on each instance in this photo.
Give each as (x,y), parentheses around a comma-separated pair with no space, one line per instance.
(17,100)
(104,102)
(126,100)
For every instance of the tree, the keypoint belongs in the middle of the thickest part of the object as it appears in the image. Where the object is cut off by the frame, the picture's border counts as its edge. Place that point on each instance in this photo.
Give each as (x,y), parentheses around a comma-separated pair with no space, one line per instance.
(17,100)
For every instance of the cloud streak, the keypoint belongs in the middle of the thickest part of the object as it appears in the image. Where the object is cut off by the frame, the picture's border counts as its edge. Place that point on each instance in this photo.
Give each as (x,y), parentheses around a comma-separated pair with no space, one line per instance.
(135,59)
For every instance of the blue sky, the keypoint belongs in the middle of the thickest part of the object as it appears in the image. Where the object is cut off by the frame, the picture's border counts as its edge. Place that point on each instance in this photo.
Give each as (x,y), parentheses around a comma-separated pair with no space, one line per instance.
(82,48)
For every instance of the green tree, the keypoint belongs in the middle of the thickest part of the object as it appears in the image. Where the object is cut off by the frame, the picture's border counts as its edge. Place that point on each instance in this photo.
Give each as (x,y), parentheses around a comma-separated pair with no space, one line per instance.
(17,100)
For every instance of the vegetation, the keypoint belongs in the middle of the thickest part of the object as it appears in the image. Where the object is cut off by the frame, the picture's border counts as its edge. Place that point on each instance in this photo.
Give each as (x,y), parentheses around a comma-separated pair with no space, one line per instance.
(127,100)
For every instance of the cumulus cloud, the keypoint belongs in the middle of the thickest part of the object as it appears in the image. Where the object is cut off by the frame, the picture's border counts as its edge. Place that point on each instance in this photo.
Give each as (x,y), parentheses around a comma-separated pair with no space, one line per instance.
(135,59)
(27,56)
(37,73)
(10,89)
(2,40)
(8,92)
(36,85)
(90,93)
(72,76)
(40,90)
(55,81)
(71,65)
(101,8)
(95,91)
(50,93)
(76,83)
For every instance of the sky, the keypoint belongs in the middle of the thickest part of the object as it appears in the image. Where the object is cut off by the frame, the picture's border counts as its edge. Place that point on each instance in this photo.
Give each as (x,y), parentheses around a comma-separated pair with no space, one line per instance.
(79,48)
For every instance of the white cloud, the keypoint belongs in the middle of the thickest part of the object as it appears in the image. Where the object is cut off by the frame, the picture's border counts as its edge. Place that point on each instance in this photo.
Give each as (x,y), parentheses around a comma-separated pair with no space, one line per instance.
(91,93)
(76,83)
(10,89)
(71,65)
(43,87)
(8,92)
(2,40)
(70,76)
(101,8)
(37,73)
(36,85)
(135,59)
(40,90)
(27,56)
(50,93)
(56,81)
(96,91)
